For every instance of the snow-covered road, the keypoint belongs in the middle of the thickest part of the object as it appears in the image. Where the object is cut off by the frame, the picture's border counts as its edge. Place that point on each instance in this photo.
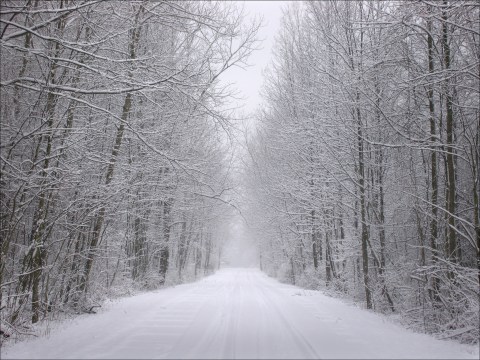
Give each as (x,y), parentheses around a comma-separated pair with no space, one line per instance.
(235,313)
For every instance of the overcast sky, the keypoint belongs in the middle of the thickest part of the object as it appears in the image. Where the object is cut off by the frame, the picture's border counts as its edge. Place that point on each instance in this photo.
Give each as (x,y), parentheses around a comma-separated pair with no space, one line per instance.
(248,81)
(239,248)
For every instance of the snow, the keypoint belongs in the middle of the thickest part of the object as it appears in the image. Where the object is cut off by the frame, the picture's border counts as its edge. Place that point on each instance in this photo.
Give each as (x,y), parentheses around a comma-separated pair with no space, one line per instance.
(235,313)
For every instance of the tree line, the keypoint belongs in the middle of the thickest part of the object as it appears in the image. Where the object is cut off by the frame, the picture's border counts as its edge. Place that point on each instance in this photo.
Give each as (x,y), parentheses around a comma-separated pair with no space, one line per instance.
(114,148)
(362,174)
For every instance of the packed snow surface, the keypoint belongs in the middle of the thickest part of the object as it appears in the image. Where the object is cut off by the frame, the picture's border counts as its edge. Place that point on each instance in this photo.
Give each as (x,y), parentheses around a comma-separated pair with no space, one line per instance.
(235,313)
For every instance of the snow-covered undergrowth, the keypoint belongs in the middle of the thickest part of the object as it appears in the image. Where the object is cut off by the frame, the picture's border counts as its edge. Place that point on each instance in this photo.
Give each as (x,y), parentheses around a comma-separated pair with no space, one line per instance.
(459,322)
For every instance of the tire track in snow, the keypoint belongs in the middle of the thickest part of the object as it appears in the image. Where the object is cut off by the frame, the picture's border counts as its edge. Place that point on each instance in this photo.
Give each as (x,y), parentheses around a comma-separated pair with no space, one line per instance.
(301,341)
(235,313)
(208,336)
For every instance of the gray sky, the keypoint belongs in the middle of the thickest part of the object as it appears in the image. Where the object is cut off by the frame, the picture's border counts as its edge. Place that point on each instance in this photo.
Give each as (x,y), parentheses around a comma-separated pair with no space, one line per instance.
(239,248)
(248,81)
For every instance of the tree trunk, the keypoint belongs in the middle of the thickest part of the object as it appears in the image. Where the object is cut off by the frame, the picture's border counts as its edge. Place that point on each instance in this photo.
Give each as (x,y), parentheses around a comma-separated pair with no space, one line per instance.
(164,250)
(364,236)
(127,106)
(434,295)
(452,251)
(314,240)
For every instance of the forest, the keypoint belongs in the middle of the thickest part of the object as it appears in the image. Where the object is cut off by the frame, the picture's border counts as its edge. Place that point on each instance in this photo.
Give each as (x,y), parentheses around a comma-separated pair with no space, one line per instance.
(123,162)
(363,174)
(114,148)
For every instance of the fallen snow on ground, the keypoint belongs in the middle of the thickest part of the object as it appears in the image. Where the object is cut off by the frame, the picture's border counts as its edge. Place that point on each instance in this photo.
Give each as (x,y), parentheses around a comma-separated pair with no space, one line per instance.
(236,313)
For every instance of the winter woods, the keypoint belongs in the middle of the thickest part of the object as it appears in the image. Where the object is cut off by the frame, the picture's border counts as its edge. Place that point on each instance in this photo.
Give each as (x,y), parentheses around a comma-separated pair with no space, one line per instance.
(118,169)
(114,159)
(364,166)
